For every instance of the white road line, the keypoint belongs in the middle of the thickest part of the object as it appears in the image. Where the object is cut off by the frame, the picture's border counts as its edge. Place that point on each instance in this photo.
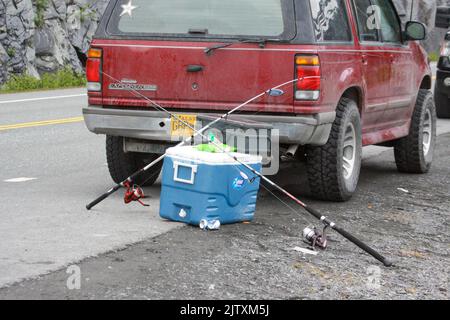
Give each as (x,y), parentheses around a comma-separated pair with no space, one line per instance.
(44,98)
(99,235)
(22,179)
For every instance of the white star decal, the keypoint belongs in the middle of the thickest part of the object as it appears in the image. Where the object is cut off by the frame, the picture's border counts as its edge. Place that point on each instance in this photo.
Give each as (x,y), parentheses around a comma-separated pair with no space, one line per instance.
(128,9)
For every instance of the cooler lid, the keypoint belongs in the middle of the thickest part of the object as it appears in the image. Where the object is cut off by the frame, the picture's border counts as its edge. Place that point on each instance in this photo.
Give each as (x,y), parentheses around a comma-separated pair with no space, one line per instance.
(191,153)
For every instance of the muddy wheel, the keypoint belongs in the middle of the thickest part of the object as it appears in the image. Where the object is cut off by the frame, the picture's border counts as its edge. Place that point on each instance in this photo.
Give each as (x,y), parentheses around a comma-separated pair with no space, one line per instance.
(123,164)
(414,153)
(333,169)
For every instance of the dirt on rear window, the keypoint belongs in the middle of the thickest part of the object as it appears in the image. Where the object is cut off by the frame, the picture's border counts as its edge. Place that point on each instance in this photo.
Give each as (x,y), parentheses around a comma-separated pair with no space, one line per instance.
(210,17)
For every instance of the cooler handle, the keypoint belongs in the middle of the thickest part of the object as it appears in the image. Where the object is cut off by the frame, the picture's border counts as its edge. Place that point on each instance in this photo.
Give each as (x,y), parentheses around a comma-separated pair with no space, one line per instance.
(177,165)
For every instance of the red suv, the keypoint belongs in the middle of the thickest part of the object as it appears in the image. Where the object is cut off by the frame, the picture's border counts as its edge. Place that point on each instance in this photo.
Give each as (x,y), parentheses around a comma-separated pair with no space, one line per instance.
(363,80)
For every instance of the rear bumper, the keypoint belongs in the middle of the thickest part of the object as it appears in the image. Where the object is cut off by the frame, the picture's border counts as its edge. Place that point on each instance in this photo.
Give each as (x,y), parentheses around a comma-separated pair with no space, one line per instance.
(155,125)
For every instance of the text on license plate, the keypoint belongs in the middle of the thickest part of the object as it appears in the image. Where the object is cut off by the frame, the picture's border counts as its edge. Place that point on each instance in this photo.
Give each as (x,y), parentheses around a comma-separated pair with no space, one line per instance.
(180,125)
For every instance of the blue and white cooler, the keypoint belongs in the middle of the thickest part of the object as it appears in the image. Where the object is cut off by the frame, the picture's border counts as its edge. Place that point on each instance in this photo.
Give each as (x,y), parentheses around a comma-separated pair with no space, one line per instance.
(199,186)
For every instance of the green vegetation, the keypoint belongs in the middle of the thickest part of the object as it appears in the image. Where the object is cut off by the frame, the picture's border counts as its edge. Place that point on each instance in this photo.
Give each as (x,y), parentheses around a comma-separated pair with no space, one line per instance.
(86,13)
(65,78)
(11,52)
(434,56)
(41,5)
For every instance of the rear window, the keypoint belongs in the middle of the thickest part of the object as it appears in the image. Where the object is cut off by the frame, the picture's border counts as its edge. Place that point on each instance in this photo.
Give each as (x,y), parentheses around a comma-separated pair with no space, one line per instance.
(211,18)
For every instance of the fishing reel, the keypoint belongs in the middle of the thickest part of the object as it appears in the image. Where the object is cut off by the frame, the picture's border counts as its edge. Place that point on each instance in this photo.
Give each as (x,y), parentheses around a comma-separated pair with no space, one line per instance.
(315,238)
(134,193)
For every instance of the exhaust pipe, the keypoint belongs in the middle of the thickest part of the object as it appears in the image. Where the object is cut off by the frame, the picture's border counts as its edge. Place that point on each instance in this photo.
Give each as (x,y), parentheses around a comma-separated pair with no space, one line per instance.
(291,151)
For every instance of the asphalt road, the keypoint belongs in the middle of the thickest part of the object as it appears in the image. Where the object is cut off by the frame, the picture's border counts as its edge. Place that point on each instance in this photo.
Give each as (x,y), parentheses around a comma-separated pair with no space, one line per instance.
(43,222)
(51,166)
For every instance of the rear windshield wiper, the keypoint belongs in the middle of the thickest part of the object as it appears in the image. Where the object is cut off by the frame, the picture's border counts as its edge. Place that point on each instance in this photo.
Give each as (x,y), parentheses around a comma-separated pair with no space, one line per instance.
(198,31)
(261,42)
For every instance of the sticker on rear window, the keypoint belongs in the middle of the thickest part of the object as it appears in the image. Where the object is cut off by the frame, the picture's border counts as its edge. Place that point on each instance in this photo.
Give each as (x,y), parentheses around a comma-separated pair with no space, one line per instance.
(128,9)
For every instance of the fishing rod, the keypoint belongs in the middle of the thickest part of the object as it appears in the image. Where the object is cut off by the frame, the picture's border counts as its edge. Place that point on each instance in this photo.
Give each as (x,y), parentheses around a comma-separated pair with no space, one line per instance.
(325,221)
(127,182)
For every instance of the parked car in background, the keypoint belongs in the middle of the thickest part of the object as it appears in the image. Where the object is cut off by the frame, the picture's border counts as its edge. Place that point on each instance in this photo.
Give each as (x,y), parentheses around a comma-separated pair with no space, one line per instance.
(442,86)
(363,80)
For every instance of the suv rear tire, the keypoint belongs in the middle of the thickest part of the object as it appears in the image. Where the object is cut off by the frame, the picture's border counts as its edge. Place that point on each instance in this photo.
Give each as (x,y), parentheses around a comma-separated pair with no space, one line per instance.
(123,164)
(414,153)
(333,169)
(442,105)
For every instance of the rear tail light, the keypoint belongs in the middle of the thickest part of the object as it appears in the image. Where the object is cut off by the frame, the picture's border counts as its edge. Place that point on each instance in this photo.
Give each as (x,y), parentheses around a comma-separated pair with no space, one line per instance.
(307,68)
(94,70)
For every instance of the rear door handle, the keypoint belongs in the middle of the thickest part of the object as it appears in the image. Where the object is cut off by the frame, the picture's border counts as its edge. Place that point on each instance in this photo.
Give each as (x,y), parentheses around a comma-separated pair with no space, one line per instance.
(194,68)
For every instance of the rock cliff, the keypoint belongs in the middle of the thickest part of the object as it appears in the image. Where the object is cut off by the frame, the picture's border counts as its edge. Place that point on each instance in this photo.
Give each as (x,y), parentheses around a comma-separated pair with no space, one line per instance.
(45,35)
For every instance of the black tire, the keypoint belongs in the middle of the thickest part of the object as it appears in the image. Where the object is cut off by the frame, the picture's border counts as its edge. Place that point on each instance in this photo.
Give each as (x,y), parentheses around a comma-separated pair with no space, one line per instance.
(122,165)
(327,178)
(411,154)
(442,105)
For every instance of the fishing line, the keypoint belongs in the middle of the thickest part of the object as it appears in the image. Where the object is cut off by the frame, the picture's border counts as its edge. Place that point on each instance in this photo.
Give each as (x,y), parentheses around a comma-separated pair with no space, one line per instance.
(236,167)
(325,221)
(188,140)
(302,216)
(254,113)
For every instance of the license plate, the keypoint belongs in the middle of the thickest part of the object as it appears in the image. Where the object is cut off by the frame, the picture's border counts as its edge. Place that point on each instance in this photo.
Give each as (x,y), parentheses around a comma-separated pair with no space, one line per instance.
(180,125)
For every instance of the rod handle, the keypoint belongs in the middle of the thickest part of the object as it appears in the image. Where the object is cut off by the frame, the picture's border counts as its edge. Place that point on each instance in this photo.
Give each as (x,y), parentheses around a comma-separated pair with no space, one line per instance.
(363,246)
(353,239)
(102,197)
